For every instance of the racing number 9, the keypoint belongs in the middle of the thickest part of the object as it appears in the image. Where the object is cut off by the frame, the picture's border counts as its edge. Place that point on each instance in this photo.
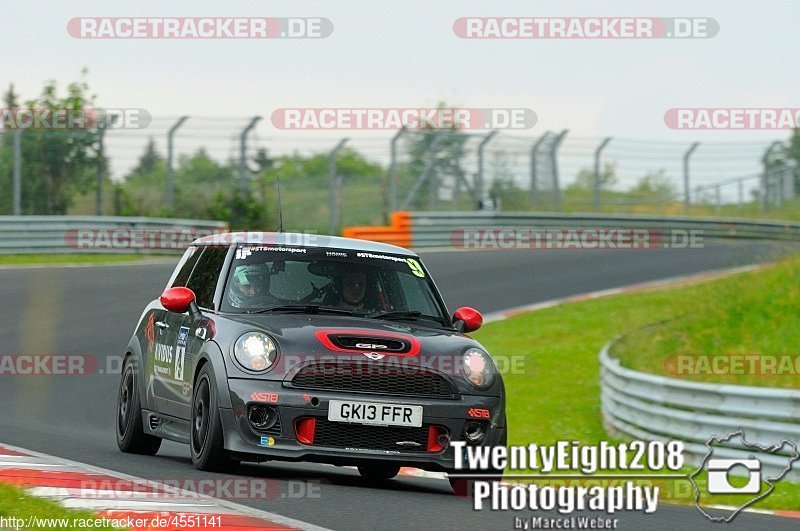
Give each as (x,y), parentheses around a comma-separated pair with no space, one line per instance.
(416,268)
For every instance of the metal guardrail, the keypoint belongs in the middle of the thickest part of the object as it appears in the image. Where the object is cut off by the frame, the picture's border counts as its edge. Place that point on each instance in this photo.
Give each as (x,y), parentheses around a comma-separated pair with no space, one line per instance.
(100,234)
(650,407)
(437,229)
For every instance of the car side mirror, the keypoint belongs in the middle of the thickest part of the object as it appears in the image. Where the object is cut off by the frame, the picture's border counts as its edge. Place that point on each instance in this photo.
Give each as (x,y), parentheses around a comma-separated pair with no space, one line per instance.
(467,319)
(180,300)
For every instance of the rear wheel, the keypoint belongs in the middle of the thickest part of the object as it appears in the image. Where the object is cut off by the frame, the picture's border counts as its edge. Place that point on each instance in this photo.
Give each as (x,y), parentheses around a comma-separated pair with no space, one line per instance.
(206,441)
(131,437)
(378,472)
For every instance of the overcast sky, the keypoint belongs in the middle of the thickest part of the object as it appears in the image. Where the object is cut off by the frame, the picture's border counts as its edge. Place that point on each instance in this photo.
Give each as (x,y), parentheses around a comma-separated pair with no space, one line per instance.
(405,54)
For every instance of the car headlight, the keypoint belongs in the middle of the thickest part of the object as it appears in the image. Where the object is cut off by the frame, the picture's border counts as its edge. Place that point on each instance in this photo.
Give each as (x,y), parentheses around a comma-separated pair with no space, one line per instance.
(255,351)
(478,368)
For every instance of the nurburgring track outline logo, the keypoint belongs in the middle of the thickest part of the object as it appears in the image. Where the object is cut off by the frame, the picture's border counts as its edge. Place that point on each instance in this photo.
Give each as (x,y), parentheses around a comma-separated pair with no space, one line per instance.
(754,472)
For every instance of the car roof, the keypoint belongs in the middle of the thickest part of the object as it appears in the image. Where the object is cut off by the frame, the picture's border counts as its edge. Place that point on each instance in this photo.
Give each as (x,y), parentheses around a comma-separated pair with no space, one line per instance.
(298,239)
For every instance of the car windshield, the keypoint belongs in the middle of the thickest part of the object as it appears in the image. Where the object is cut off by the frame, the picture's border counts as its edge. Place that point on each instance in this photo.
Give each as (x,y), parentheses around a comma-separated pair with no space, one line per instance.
(324,280)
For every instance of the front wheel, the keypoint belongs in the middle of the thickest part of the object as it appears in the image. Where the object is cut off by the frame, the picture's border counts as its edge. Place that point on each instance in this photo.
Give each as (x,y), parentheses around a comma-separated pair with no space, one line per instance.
(208,450)
(464,486)
(131,437)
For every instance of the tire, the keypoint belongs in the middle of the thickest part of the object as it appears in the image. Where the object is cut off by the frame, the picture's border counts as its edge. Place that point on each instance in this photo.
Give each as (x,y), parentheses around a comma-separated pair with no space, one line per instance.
(463,486)
(205,435)
(131,437)
(378,472)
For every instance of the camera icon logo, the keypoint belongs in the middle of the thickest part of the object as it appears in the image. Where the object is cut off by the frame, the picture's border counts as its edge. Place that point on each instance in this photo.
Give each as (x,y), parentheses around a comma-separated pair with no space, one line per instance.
(718,476)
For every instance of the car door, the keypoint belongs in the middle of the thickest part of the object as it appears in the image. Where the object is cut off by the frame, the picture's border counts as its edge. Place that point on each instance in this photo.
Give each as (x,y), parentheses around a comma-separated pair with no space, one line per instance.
(162,364)
(191,333)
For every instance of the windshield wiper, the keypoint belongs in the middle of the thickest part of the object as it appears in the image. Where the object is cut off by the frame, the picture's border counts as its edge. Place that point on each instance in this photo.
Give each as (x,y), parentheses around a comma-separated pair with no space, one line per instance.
(400,315)
(305,308)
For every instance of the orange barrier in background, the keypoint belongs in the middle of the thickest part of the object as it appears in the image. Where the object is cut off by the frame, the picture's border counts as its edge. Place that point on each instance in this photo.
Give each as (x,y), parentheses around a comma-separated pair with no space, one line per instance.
(398,233)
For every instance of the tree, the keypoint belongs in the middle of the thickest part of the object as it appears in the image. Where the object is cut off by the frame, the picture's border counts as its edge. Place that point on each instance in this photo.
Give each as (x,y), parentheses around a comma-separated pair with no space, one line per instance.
(655,184)
(6,156)
(56,163)
(585,178)
(150,160)
(443,146)
(793,154)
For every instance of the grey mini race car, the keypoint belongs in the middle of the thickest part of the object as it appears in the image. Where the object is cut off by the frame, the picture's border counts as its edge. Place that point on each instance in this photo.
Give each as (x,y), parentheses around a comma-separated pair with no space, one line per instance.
(280,346)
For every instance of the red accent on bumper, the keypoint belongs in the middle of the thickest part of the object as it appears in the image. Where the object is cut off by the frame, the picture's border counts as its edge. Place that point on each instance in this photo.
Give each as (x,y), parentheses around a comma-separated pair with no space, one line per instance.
(434,434)
(304,428)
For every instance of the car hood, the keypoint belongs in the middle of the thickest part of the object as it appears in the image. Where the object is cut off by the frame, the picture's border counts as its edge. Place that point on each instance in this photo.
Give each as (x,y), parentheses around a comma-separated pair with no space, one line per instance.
(302,338)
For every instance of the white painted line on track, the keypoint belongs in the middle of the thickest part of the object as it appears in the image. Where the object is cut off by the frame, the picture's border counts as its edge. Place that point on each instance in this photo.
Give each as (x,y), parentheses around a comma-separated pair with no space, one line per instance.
(240,509)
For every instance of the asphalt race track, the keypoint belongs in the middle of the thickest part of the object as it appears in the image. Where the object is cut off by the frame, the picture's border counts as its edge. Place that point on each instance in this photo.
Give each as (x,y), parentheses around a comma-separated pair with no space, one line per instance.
(92,310)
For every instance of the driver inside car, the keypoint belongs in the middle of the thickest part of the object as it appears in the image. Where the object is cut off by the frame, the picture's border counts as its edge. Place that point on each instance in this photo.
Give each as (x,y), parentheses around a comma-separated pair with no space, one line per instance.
(250,287)
(354,289)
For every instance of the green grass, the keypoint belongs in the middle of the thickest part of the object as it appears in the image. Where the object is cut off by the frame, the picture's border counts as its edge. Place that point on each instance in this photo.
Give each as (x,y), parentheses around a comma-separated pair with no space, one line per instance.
(16,503)
(755,315)
(556,395)
(77,258)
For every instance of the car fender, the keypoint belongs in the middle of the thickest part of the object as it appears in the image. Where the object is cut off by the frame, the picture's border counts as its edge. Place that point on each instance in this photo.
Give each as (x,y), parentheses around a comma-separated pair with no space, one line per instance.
(211,353)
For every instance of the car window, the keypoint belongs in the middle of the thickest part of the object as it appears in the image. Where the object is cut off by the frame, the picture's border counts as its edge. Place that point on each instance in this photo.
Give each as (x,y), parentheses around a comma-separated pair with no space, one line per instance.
(203,280)
(188,262)
(295,281)
(416,297)
(365,283)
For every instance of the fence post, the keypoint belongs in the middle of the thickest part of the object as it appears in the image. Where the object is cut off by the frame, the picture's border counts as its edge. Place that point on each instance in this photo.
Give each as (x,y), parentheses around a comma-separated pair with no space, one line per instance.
(766,185)
(741,192)
(101,166)
(333,197)
(18,172)
(554,165)
(597,153)
(170,169)
(788,179)
(687,195)
(243,154)
(429,166)
(534,155)
(479,180)
(393,170)
(718,194)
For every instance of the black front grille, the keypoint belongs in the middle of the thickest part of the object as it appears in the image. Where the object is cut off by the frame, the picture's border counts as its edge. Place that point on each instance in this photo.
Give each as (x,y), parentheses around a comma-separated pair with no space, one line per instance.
(372,378)
(274,430)
(361,437)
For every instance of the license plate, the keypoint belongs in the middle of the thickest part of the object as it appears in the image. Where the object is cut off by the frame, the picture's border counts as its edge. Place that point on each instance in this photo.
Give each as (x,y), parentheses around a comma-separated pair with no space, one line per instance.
(375,413)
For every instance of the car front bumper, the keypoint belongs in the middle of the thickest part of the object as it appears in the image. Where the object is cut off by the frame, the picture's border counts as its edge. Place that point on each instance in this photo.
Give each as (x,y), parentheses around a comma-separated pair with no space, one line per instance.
(348,443)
